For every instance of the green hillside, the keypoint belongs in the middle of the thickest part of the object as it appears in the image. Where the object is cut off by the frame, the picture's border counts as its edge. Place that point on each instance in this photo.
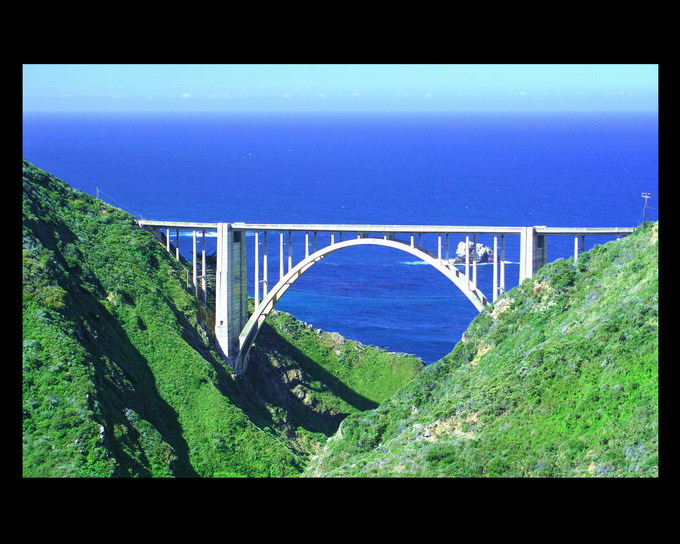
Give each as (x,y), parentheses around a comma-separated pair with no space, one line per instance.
(120,374)
(559,378)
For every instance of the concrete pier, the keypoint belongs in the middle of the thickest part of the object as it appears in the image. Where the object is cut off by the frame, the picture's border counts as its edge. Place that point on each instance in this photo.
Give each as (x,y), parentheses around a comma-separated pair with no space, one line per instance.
(204,271)
(533,252)
(231,293)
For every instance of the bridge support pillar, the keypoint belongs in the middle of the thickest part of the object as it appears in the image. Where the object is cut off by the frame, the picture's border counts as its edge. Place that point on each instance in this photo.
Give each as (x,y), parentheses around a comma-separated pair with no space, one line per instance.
(231,292)
(533,252)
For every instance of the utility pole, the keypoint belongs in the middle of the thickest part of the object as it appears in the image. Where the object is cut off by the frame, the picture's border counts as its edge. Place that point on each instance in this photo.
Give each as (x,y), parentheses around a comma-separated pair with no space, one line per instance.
(646,196)
(98,193)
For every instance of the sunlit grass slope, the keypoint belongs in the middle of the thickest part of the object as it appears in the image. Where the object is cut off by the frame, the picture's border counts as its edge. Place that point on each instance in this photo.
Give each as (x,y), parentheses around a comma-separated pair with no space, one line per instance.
(558,378)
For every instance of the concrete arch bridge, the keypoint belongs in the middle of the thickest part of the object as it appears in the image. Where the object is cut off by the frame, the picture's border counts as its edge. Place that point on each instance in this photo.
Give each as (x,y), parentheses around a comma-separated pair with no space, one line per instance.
(236,330)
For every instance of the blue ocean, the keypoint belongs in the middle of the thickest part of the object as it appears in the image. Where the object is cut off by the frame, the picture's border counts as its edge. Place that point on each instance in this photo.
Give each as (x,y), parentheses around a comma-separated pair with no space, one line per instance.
(496,169)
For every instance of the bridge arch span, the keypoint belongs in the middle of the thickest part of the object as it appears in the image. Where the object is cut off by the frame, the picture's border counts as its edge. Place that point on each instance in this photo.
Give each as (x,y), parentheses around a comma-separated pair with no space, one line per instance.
(254,323)
(234,327)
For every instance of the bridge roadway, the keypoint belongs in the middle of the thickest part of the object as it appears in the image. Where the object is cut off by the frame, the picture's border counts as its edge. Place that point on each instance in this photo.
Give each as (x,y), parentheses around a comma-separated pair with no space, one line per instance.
(236,330)
(430,229)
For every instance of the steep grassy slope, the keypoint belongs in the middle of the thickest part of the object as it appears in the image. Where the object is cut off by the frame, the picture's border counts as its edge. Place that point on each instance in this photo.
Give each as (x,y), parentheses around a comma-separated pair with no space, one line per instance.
(120,375)
(325,376)
(558,378)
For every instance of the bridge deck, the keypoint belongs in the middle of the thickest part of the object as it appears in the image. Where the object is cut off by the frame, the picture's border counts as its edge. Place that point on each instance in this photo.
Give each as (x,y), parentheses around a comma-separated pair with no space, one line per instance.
(414,229)
(177,225)
(590,231)
(376,228)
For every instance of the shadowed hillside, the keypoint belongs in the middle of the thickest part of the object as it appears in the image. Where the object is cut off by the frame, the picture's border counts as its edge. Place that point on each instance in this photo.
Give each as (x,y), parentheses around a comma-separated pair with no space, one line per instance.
(120,373)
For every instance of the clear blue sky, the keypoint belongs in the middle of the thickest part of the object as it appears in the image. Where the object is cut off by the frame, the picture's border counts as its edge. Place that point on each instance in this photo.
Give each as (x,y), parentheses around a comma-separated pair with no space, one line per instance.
(340,87)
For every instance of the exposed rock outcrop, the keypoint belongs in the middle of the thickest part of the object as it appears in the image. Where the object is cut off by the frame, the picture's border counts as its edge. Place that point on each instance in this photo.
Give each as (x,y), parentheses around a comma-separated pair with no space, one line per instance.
(478,252)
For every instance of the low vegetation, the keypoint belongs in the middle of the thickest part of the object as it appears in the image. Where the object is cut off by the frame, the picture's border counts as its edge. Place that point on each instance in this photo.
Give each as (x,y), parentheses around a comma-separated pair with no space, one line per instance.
(559,378)
(120,374)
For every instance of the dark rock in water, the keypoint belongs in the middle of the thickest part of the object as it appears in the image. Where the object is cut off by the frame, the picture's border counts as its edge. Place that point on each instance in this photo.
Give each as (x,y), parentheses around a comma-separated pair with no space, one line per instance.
(478,252)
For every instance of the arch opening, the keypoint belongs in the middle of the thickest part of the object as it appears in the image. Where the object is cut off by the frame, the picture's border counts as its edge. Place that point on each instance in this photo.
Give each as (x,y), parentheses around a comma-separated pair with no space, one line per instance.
(254,323)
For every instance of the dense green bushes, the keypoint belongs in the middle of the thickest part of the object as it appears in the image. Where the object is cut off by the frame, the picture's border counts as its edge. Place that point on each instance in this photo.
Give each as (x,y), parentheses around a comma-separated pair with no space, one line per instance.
(559,378)
(119,378)
(120,375)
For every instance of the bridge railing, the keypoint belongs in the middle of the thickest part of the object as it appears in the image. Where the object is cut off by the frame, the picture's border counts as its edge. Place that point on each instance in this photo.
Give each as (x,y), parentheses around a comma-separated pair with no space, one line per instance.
(340,232)
(534,256)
